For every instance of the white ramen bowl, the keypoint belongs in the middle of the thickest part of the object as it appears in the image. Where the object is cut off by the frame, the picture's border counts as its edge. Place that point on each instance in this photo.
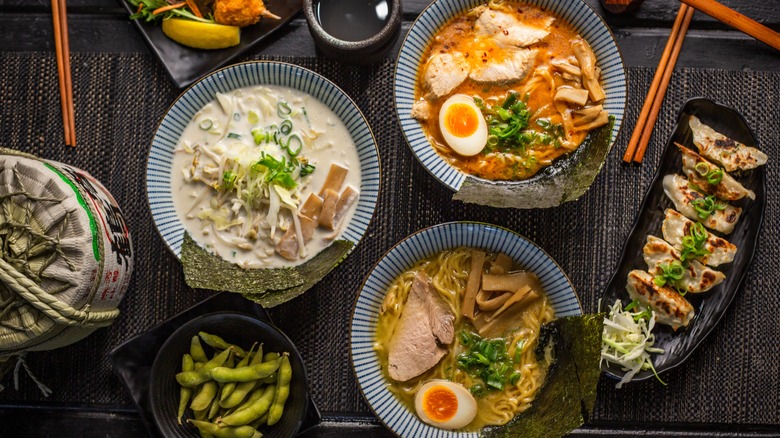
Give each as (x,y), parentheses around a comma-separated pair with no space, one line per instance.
(577,13)
(422,244)
(159,166)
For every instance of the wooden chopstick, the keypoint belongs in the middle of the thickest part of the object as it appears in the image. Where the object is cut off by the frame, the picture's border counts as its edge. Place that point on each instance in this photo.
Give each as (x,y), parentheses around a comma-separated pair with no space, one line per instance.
(62,47)
(736,20)
(658,86)
(659,97)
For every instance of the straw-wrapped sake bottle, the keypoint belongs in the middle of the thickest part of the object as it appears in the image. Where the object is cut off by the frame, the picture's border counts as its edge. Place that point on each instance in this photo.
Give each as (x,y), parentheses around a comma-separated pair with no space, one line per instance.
(65,254)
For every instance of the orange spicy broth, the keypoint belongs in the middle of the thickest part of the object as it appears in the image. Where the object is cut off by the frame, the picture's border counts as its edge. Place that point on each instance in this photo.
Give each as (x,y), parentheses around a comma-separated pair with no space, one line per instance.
(458,35)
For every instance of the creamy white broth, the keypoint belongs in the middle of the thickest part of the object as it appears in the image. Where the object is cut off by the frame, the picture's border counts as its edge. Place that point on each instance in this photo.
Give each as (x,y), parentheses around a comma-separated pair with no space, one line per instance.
(223,128)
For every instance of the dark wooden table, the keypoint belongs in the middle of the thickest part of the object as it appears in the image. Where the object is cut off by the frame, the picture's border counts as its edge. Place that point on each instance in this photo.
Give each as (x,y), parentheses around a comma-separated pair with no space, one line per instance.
(102,26)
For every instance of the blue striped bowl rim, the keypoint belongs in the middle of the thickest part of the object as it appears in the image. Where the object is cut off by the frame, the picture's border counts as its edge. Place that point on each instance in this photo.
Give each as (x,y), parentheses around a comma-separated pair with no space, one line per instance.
(403,256)
(160,160)
(575,12)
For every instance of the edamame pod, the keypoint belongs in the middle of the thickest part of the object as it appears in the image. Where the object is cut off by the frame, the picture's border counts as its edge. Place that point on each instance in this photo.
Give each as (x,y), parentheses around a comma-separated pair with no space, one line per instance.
(213,409)
(191,379)
(243,388)
(244,374)
(206,394)
(252,413)
(220,344)
(282,391)
(199,415)
(187,364)
(270,356)
(224,432)
(231,386)
(196,350)
(269,380)
(256,394)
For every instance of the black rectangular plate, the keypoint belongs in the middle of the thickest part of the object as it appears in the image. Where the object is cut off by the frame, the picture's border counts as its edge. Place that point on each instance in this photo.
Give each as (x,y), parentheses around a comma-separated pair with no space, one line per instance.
(185,65)
(709,306)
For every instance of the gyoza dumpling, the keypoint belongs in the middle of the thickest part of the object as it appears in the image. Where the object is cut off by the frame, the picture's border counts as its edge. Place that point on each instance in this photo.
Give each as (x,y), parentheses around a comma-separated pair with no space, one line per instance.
(698,171)
(723,216)
(731,154)
(669,306)
(677,226)
(696,277)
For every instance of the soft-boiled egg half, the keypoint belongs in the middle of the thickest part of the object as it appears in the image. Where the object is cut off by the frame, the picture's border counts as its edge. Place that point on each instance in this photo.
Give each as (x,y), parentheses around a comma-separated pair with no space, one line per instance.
(445,404)
(462,125)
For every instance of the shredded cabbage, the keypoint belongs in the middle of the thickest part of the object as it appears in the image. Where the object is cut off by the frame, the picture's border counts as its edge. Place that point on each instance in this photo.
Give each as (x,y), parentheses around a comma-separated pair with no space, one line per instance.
(628,341)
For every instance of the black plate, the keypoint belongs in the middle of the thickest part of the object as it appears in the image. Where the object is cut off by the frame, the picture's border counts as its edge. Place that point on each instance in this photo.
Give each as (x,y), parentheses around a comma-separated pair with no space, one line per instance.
(709,306)
(132,360)
(184,65)
(240,329)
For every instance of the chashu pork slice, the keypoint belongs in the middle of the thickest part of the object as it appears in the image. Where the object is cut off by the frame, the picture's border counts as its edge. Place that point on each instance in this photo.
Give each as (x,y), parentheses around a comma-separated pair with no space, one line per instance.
(696,168)
(731,154)
(513,67)
(676,227)
(683,195)
(444,72)
(420,339)
(509,31)
(697,277)
(669,306)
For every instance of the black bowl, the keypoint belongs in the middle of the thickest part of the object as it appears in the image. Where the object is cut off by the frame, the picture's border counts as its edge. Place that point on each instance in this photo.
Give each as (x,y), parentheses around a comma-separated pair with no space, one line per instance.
(239,329)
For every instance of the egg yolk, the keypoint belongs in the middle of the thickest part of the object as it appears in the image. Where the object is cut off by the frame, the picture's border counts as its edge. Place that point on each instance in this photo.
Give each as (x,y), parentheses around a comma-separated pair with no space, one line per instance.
(440,403)
(461,120)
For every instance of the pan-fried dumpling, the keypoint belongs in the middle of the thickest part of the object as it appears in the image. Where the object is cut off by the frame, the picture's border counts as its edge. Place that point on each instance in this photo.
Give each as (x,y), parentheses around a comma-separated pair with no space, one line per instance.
(696,277)
(677,226)
(731,154)
(723,216)
(703,173)
(669,306)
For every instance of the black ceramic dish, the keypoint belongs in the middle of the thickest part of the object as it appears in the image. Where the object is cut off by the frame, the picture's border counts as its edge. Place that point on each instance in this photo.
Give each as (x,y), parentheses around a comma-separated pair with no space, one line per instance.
(709,306)
(365,51)
(184,65)
(237,328)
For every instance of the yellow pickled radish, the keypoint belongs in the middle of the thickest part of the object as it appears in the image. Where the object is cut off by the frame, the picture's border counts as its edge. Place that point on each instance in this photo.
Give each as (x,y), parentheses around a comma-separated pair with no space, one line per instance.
(201,35)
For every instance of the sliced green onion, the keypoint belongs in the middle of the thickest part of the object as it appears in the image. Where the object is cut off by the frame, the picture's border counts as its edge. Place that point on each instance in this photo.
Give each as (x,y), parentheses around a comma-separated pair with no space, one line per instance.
(253,117)
(283,109)
(307,169)
(235,136)
(294,145)
(258,135)
(286,127)
(706,206)
(236,116)
(206,124)
(228,180)
(715,176)
(701,168)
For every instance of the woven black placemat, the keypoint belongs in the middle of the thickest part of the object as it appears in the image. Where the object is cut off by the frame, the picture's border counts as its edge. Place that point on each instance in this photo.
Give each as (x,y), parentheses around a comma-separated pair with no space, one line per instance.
(734,377)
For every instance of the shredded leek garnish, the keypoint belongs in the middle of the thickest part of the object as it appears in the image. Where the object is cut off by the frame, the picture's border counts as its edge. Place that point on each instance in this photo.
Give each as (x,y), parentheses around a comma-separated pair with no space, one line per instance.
(628,341)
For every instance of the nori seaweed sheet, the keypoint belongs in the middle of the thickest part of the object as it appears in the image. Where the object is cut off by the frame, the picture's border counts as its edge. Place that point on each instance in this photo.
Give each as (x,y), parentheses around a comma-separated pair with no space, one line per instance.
(565,180)
(567,397)
(267,287)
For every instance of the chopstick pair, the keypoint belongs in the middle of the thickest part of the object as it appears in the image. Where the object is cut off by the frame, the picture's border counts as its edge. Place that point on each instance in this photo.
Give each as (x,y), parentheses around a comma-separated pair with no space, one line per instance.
(62,46)
(655,96)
